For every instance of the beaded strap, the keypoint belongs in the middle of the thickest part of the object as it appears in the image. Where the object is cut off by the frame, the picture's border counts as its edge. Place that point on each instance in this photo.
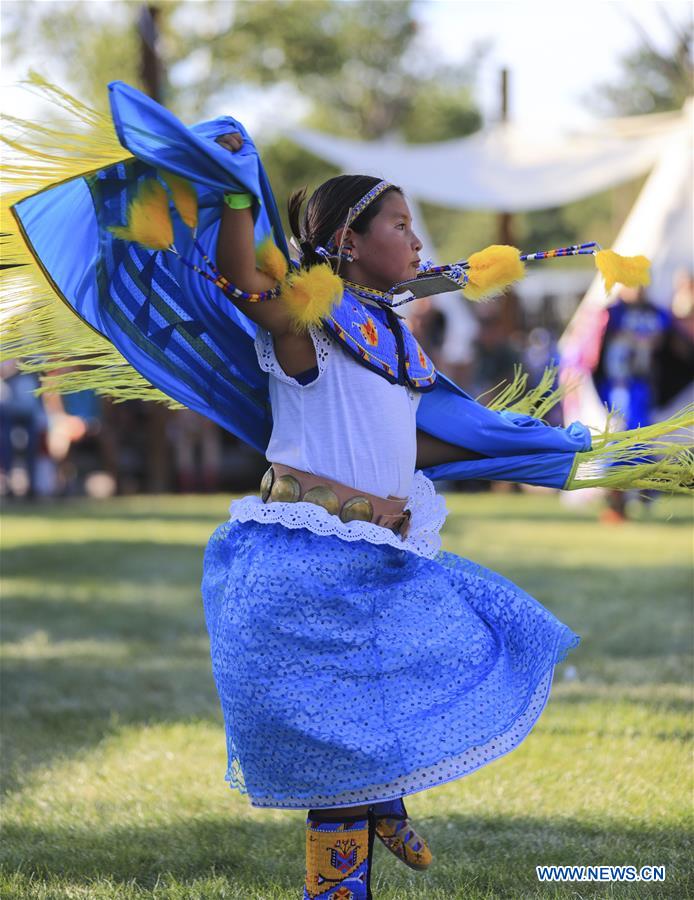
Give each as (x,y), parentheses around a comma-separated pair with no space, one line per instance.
(455,269)
(229,289)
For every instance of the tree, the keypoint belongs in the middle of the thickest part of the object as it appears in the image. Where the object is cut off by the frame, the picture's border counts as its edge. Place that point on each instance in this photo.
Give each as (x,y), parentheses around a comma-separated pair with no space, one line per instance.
(362,67)
(83,45)
(652,80)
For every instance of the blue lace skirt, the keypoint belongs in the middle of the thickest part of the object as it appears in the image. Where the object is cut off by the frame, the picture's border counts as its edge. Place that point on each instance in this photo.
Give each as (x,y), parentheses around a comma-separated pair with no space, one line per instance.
(353,672)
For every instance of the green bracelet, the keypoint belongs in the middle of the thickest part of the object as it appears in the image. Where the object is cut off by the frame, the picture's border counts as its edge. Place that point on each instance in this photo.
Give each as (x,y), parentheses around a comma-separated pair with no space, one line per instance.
(238,201)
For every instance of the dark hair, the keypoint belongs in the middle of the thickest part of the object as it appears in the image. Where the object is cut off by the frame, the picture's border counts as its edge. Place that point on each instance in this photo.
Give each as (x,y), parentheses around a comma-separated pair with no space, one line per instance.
(327,210)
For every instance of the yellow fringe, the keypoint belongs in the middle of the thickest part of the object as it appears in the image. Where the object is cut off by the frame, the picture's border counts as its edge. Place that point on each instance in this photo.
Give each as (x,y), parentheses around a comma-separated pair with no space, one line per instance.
(184,197)
(616,460)
(536,402)
(56,344)
(36,324)
(492,270)
(310,294)
(271,260)
(47,155)
(631,271)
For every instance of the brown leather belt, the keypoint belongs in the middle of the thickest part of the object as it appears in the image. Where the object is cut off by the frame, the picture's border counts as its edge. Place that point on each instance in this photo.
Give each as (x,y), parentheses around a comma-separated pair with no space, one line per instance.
(283,484)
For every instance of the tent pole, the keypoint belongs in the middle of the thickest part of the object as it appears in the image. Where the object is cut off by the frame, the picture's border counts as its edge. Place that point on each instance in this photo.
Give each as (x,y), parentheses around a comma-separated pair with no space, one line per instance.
(510,310)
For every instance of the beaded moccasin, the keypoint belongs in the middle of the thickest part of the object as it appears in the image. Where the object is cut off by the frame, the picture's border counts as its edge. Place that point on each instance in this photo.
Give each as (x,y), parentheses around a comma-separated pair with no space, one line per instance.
(338,857)
(401,839)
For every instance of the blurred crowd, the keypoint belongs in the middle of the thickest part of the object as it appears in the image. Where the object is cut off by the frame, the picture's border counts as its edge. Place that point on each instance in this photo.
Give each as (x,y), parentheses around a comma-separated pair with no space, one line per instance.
(81,443)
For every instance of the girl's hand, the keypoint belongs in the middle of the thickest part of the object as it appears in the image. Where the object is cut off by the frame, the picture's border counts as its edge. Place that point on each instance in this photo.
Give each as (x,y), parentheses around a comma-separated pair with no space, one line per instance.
(232,141)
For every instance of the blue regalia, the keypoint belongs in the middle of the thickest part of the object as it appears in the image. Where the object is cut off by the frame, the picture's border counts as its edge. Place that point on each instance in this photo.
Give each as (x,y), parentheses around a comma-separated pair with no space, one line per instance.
(188,340)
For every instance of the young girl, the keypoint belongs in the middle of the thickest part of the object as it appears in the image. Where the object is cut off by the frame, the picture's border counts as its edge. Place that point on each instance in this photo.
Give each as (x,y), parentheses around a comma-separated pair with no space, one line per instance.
(356,662)
(353,666)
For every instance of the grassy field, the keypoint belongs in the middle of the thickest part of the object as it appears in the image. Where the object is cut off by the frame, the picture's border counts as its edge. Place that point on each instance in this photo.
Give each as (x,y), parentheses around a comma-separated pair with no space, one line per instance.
(114,754)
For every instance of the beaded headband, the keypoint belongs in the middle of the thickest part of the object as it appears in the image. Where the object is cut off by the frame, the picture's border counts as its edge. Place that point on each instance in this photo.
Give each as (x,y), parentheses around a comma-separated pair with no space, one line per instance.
(359,207)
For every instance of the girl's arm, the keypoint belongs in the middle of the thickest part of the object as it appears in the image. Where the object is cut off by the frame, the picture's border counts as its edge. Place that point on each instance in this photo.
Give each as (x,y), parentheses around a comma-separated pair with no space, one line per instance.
(236,262)
(432,451)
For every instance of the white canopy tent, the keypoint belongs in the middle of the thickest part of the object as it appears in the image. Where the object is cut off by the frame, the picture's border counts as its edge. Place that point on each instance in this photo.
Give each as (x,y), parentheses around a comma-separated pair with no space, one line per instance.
(508,168)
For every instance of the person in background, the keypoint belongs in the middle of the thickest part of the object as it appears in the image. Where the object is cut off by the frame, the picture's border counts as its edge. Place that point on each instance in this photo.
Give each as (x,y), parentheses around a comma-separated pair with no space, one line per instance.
(677,365)
(540,352)
(631,369)
(195,471)
(22,421)
(496,355)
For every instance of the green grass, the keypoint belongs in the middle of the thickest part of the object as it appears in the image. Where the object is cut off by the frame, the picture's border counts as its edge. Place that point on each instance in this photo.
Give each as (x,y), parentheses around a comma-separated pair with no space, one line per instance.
(114,753)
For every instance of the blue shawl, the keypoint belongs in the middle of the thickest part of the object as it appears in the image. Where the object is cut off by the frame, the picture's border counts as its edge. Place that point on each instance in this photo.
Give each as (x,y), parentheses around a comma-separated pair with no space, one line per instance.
(186,338)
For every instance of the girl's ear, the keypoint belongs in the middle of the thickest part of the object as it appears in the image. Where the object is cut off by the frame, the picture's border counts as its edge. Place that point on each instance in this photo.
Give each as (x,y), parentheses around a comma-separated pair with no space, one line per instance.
(346,235)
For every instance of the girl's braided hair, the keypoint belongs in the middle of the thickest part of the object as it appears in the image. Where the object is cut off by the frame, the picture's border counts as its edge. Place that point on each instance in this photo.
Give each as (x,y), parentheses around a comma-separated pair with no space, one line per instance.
(327,210)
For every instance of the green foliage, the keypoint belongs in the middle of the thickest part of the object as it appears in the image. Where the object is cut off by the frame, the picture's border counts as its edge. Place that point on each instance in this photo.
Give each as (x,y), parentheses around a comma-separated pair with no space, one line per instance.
(652,80)
(360,64)
(363,70)
(289,167)
(114,746)
(84,44)
(439,113)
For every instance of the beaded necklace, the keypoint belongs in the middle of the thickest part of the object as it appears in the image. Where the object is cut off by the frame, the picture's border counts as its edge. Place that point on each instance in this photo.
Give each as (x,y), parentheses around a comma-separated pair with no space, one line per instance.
(425,284)
(368,293)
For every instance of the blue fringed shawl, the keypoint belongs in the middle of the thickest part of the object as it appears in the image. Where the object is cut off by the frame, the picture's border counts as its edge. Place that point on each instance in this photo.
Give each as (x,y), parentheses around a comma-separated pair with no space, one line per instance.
(186,338)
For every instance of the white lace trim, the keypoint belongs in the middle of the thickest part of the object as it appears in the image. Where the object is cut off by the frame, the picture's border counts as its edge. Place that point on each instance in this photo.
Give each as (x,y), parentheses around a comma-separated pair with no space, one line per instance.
(427,507)
(267,360)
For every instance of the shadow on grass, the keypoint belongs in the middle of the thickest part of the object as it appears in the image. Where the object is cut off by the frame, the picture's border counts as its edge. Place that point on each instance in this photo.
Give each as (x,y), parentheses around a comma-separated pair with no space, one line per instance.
(140,619)
(56,711)
(143,560)
(465,509)
(123,509)
(497,855)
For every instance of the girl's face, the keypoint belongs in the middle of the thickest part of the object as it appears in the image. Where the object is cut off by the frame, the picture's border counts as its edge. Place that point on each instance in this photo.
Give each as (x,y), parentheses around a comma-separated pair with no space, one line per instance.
(389,251)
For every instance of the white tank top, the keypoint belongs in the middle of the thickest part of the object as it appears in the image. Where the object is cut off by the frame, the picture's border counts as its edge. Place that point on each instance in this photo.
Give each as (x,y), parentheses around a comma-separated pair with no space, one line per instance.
(348,424)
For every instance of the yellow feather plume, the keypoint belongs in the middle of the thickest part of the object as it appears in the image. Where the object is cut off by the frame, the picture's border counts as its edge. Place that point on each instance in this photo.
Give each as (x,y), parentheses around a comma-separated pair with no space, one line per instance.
(492,270)
(631,271)
(310,295)
(184,197)
(270,259)
(149,222)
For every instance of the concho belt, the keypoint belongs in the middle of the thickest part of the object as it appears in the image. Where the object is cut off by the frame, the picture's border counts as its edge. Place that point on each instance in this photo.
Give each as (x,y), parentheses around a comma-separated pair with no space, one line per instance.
(283,484)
